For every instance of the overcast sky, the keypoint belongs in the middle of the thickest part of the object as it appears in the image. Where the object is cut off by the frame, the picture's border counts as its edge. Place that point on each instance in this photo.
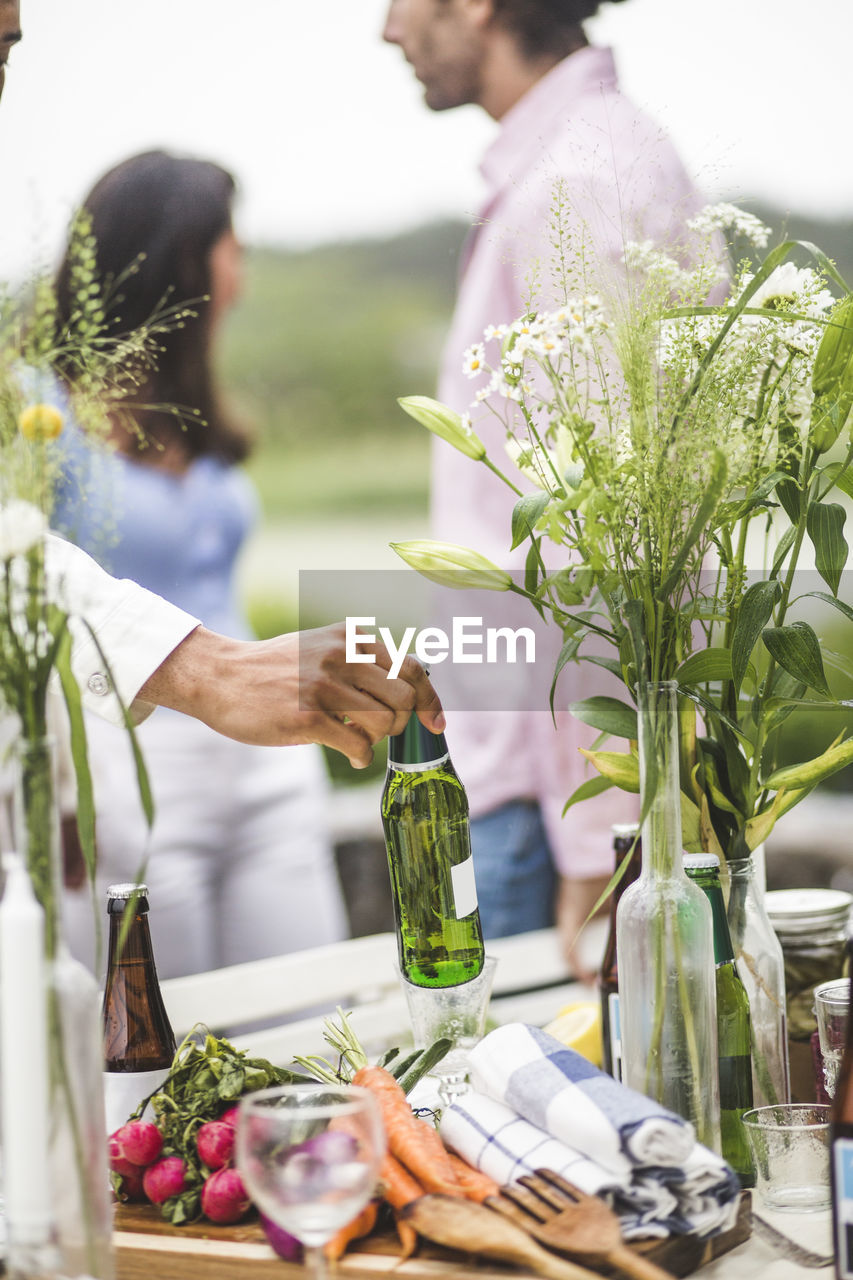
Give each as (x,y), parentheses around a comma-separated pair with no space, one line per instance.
(325,128)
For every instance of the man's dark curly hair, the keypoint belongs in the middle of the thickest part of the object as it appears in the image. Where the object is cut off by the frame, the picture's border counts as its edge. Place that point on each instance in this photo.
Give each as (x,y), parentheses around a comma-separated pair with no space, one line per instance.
(546,26)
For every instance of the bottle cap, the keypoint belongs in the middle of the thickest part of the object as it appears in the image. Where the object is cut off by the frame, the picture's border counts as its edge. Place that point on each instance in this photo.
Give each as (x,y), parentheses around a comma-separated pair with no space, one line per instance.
(119,894)
(701,862)
(622,830)
(417,746)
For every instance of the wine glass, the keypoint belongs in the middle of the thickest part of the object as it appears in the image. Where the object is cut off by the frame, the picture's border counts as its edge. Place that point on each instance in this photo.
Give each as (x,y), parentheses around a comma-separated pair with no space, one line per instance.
(457,1013)
(309,1156)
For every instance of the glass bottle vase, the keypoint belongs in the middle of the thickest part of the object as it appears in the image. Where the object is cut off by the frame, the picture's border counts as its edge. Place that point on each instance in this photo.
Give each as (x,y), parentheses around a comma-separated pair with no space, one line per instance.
(77,1157)
(761,966)
(664,937)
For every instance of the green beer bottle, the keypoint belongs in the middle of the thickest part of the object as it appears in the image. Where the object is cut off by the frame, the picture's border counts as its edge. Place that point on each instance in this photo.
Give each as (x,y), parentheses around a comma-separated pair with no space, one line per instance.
(425,819)
(733,1031)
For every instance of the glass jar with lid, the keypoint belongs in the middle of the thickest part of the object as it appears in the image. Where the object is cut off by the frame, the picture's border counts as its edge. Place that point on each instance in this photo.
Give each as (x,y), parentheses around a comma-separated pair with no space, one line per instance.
(811,925)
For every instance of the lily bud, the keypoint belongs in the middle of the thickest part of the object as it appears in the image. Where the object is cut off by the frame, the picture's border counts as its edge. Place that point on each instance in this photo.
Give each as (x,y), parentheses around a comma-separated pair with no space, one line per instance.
(452,566)
(40,422)
(441,421)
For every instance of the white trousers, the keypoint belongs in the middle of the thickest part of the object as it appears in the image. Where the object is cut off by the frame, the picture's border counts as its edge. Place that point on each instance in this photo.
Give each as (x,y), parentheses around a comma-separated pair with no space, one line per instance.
(239,863)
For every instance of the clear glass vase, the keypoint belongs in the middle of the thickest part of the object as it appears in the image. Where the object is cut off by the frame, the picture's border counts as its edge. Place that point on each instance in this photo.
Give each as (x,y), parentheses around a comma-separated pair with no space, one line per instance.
(77,1171)
(761,966)
(665,943)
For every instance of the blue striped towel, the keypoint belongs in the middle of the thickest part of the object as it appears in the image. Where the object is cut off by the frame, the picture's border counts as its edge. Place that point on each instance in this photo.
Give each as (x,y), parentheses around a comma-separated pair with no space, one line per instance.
(557,1090)
(700,1197)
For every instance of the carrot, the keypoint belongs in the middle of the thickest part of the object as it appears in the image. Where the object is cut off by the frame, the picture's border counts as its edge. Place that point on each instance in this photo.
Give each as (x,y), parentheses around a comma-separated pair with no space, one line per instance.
(361,1225)
(398,1186)
(475,1184)
(414,1142)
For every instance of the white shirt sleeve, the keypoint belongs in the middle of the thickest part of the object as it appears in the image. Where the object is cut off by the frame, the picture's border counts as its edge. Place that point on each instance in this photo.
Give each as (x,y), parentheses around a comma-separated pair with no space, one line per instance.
(135,630)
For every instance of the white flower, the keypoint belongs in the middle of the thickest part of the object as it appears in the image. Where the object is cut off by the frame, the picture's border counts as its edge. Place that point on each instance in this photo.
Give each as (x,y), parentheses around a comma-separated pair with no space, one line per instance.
(22,527)
(791,288)
(723,217)
(495,331)
(473,360)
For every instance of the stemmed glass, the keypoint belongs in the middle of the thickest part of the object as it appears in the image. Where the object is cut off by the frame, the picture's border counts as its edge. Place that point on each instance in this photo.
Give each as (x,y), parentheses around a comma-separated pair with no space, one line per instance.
(457,1013)
(309,1157)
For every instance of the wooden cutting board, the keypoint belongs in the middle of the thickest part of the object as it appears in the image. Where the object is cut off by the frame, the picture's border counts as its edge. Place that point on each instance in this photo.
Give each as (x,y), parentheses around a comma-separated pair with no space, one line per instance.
(148,1248)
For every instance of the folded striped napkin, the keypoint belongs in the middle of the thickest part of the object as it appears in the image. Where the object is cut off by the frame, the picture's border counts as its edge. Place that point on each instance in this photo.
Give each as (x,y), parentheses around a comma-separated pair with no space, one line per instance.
(536,1104)
(559,1091)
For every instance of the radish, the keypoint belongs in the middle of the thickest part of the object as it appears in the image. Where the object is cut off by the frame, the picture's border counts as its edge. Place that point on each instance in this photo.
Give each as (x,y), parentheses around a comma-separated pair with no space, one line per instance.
(215,1143)
(132,1188)
(229,1116)
(284,1244)
(224,1198)
(164,1179)
(118,1163)
(139,1142)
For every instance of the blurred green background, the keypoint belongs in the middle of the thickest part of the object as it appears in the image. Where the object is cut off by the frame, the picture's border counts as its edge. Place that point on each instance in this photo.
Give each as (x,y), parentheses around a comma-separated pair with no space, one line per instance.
(315,357)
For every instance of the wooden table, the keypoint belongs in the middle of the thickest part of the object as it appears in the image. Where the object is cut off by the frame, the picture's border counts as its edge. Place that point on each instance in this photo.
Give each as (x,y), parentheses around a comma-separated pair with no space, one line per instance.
(148,1249)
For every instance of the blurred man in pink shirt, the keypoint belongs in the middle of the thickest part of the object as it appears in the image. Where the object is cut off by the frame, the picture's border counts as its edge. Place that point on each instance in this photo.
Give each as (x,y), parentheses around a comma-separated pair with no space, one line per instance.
(562,117)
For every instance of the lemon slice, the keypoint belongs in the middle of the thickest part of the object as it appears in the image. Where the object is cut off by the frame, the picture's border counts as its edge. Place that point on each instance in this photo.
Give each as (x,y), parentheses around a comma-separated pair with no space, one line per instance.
(579,1027)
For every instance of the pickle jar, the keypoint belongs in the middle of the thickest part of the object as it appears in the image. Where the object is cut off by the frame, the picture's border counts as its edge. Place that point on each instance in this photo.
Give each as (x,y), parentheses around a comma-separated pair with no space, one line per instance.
(811,925)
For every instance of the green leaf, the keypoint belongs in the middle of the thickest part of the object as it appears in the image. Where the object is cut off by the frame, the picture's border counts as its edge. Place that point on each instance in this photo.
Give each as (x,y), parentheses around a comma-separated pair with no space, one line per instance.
(834,601)
(609,664)
(622,768)
(704,512)
(145,796)
(525,514)
(608,714)
(825,525)
(586,790)
(755,609)
(707,664)
(845,482)
(797,650)
(79,756)
(783,546)
(567,654)
(691,825)
(532,566)
(810,772)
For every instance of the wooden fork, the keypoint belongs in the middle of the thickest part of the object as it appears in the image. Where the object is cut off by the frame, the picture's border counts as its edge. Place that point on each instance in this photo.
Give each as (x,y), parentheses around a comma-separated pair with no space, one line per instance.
(560,1216)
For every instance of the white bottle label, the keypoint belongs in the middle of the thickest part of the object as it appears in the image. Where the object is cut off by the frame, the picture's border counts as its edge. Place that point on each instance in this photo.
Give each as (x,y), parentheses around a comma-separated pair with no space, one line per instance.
(615,1035)
(842,1209)
(464,888)
(123,1092)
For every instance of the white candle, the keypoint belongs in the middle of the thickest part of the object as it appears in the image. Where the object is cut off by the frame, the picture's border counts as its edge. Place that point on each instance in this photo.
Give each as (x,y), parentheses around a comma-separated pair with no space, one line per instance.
(23,1059)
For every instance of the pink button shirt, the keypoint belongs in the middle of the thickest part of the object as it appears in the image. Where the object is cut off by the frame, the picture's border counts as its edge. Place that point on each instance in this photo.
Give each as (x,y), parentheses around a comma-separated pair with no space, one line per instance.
(624,181)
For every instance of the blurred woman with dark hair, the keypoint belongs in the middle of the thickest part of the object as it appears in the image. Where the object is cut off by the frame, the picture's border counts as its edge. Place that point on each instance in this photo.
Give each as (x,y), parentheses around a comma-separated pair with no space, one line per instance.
(239,863)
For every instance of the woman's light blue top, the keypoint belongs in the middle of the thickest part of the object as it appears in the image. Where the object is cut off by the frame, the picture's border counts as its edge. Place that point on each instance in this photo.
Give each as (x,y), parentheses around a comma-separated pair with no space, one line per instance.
(178,535)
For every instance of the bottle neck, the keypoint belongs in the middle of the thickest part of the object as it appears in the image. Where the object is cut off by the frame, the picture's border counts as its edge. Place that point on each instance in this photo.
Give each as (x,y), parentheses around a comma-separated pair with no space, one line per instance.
(630,873)
(710,886)
(136,943)
(417,749)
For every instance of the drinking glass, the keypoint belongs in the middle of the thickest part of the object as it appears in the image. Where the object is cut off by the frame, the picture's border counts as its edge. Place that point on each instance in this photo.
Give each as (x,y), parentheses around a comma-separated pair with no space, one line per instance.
(309,1157)
(831,1005)
(790,1152)
(457,1013)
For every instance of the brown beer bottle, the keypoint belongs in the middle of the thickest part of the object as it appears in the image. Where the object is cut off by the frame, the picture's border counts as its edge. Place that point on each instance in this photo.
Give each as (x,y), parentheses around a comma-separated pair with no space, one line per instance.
(624,836)
(139,1043)
(841,1156)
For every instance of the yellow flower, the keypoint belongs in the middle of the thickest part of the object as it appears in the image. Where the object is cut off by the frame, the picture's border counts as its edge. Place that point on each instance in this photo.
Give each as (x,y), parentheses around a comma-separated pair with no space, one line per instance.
(40,422)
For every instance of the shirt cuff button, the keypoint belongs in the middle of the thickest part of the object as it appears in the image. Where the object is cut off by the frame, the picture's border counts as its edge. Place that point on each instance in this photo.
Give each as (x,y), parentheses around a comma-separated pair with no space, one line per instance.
(98,684)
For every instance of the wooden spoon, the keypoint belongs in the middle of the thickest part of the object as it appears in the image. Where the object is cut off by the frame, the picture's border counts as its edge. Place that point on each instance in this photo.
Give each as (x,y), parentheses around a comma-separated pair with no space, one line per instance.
(461,1224)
